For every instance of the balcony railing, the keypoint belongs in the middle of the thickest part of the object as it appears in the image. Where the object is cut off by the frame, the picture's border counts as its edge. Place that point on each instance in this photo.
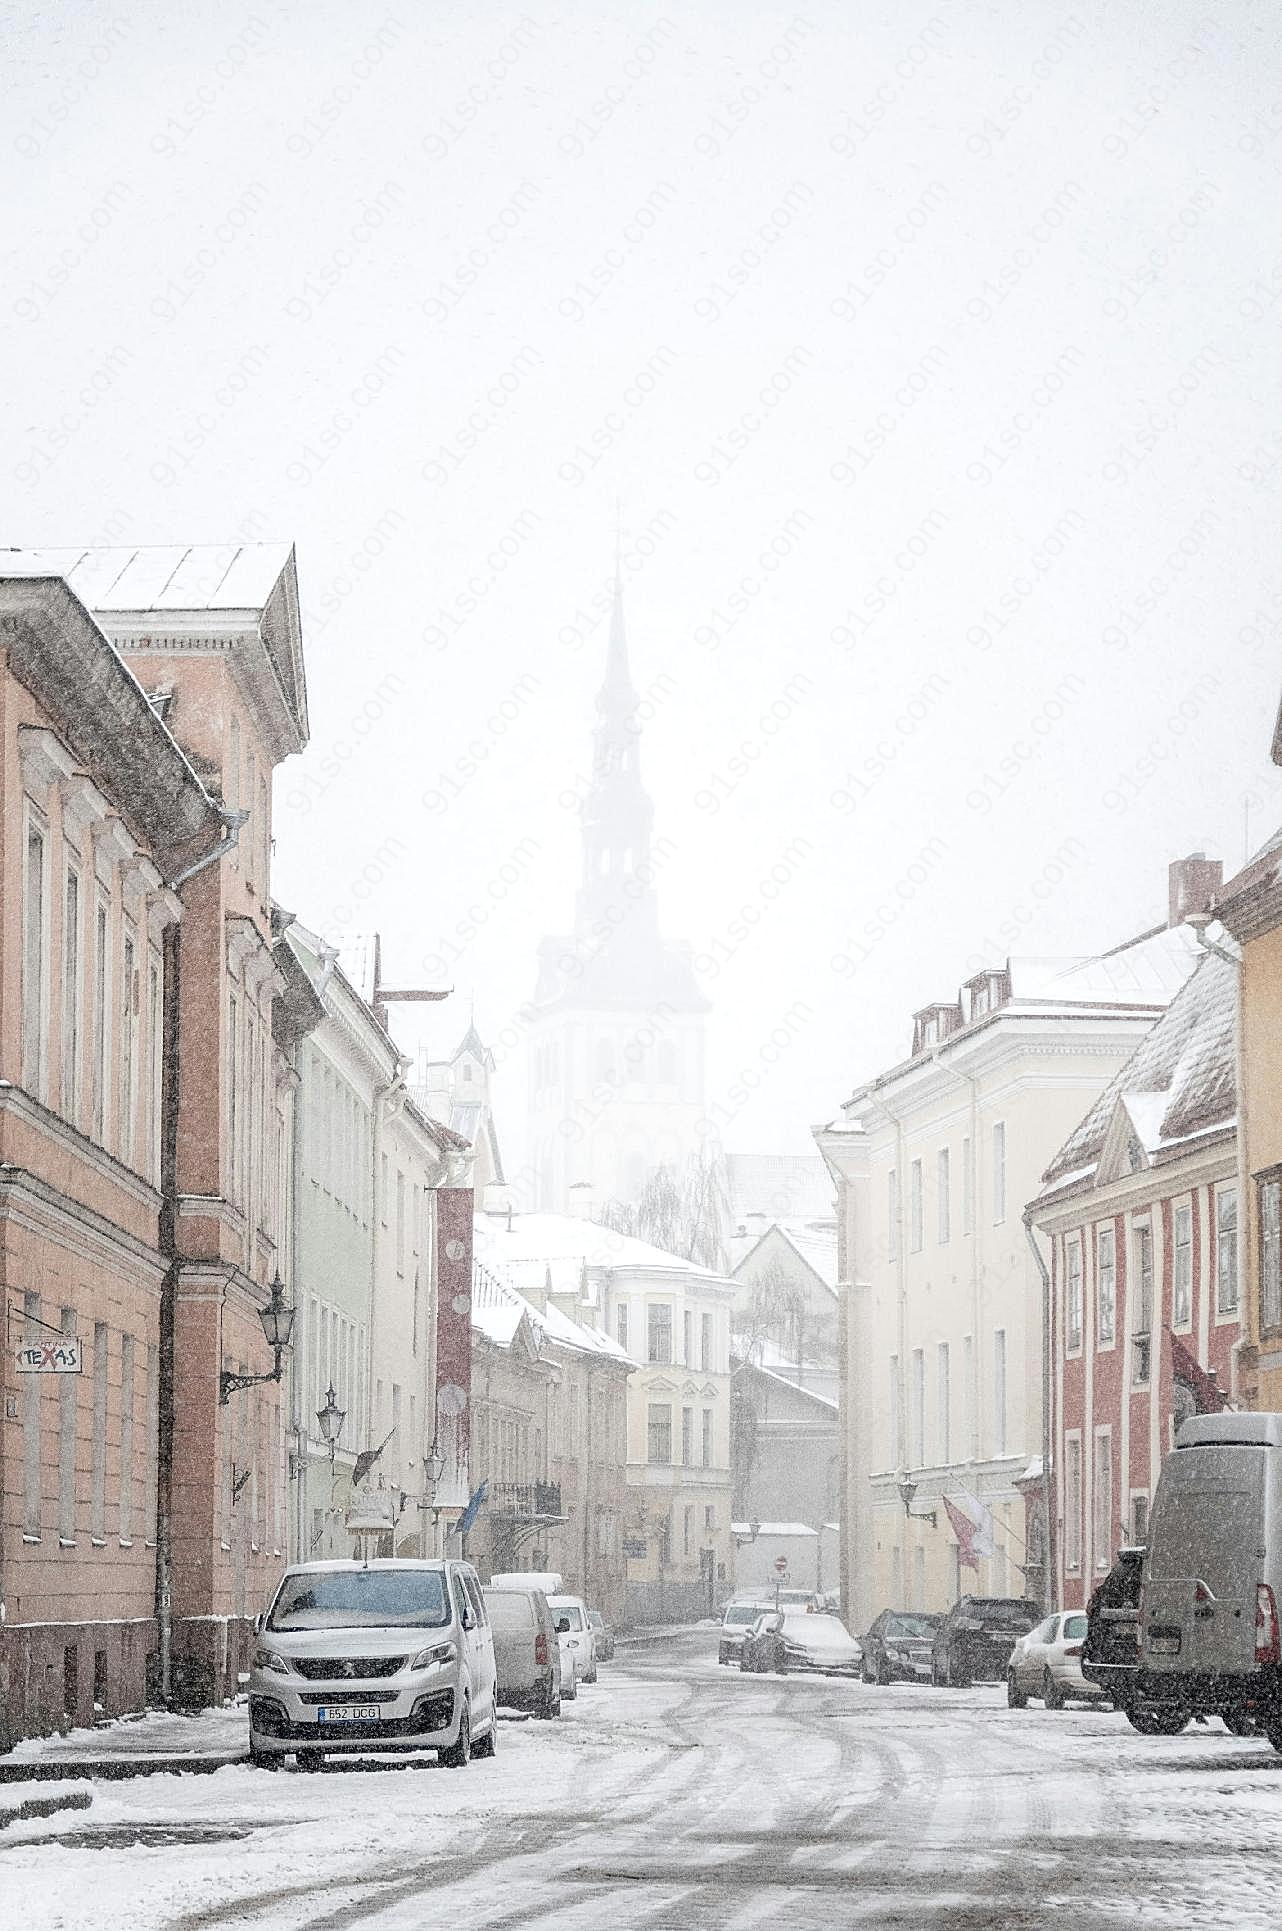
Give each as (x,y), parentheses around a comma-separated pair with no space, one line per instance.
(527,1501)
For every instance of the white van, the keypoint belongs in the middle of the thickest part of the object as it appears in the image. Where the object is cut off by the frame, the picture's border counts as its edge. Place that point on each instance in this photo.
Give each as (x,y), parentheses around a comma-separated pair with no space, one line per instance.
(570,1614)
(385,1655)
(1211,1592)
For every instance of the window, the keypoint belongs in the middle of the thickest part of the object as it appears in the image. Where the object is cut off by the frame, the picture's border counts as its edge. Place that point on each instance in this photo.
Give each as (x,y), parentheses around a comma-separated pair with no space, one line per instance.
(896,1420)
(1226,1251)
(233,1087)
(1073,1502)
(705,1342)
(34,964)
(621,1325)
(128,1049)
(1073,1293)
(687,1437)
(687,1337)
(970,1397)
(659,1333)
(31,1428)
(707,1438)
(659,1432)
(1142,1325)
(68,1402)
(71,994)
(917,1447)
(1102,1500)
(251,842)
(892,1215)
(126,1437)
(1182,1285)
(999,1172)
(400,1222)
(98,1474)
(968,1187)
(1271,1252)
(709,1517)
(99,1066)
(943,1197)
(686,1528)
(915,1214)
(233,781)
(999,1391)
(943,1411)
(155,1063)
(1139,1519)
(1105,1287)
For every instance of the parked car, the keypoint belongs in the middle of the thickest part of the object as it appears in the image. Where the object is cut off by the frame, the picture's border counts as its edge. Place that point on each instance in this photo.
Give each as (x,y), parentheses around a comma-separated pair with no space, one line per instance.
(1210,1640)
(974,1640)
(1048,1663)
(735,1624)
(572,1612)
(898,1646)
(527,1654)
(763,1646)
(386,1655)
(814,1640)
(604,1636)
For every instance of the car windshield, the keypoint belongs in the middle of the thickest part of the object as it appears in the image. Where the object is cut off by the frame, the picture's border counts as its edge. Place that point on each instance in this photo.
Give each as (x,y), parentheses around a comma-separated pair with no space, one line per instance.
(743,1612)
(1002,1610)
(911,1625)
(362,1599)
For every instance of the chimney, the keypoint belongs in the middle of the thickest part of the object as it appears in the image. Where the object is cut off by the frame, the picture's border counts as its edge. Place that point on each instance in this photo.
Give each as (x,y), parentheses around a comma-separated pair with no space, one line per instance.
(1193,883)
(582,1200)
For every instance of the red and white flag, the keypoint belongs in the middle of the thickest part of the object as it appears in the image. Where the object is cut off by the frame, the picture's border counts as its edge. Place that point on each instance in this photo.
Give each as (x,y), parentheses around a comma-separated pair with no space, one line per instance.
(972,1524)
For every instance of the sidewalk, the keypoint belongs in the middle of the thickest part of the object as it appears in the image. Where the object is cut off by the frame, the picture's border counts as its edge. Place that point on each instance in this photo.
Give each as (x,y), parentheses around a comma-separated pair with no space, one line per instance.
(134,1746)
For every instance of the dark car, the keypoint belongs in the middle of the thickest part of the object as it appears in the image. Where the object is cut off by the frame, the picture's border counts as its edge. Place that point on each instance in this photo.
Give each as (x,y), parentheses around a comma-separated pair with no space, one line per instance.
(764,1647)
(974,1640)
(897,1647)
(1111,1652)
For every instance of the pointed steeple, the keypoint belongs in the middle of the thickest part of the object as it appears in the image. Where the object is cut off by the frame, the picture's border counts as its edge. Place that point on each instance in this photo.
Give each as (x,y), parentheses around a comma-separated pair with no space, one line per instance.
(617,812)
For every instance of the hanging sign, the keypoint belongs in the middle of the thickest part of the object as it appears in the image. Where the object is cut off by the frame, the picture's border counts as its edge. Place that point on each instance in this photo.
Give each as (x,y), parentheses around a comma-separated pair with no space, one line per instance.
(50,1357)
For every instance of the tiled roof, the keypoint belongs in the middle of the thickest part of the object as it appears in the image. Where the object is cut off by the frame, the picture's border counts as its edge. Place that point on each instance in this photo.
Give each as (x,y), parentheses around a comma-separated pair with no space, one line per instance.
(1179,1081)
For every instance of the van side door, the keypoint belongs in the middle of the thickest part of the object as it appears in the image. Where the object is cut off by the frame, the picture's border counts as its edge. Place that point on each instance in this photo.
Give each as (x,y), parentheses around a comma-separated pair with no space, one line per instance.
(487,1667)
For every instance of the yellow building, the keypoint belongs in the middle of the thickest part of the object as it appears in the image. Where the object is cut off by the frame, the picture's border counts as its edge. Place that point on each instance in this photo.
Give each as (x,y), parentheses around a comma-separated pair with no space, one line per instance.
(942,1295)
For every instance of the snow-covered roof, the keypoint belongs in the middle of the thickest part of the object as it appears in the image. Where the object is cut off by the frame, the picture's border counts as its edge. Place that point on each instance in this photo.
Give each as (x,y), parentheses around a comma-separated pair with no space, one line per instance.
(774,1528)
(499,1307)
(534,1247)
(813,1241)
(204,576)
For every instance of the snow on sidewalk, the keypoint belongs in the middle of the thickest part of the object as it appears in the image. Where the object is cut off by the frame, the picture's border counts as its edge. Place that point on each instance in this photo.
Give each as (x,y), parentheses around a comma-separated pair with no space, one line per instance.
(158,1735)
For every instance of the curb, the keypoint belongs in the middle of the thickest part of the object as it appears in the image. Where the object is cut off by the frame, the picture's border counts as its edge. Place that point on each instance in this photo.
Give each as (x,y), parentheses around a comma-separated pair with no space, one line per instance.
(44,1807)
(105,1769)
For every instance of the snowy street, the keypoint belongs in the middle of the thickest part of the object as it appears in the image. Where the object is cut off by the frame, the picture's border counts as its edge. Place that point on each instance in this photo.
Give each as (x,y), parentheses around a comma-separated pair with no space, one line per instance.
(675,1793)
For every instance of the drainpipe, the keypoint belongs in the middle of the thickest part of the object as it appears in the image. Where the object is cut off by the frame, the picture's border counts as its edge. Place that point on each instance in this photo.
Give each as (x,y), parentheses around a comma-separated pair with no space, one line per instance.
(974,1415)
(1199,923)
(167,1232)
(1050,1575)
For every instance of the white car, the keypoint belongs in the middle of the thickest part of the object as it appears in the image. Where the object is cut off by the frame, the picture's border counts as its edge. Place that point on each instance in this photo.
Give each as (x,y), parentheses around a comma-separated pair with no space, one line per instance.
(1048,1663)
(373,1656)
(817,1641)
(572,1612)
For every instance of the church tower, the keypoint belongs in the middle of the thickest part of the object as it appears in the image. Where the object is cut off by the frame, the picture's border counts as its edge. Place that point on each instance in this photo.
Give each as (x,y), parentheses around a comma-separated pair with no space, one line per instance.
(616,1044)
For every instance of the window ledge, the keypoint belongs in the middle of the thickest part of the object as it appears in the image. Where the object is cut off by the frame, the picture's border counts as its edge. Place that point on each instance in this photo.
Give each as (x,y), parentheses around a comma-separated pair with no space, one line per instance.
(27,1536)
(66,1541)
(125,1541)
(98,1541)
(225,1547)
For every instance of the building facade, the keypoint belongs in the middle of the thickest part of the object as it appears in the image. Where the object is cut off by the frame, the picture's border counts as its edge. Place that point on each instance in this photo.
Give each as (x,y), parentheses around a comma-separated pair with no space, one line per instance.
(1140,1208)
(615,1036)
(942,1340)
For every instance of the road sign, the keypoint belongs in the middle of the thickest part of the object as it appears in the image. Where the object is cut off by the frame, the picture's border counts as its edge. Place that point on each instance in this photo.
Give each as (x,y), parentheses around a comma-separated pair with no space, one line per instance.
(781,1565)
(371,1512)
(50,1357)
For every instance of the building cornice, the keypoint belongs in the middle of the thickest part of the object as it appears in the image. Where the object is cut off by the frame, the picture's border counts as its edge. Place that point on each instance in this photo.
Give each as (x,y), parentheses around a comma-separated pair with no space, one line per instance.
(17,1101)
(1207,1163)
(29,1202)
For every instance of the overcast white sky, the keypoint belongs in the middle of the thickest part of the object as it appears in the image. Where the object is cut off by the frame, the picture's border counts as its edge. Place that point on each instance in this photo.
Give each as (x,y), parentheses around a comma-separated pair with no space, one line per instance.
(1012,278)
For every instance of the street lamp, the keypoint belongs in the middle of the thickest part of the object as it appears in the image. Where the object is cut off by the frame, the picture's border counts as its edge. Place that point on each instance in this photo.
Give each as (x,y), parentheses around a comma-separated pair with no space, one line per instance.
(278,1325)
(907,1490)
(331,1418)
(433,1465)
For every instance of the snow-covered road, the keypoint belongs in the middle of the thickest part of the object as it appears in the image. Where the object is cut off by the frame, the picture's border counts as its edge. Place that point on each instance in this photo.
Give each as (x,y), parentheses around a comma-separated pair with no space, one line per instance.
(675,1794)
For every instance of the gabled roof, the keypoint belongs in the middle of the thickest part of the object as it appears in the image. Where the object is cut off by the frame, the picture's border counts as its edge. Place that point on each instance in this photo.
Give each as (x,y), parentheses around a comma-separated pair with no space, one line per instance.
(813,1242)
(1178,1086)
(567,1245)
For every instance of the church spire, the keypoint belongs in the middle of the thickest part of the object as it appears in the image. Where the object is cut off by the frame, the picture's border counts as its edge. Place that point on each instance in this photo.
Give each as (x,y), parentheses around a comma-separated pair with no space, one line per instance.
(617,812)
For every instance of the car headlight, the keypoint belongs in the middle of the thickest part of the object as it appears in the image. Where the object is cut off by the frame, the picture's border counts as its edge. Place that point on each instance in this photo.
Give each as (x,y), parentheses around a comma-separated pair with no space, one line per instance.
(437,1653)
(270,1659)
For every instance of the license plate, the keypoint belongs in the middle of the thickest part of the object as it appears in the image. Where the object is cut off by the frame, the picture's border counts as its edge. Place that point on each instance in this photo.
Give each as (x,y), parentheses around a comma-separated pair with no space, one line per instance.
(348,1713)
(1164,1645)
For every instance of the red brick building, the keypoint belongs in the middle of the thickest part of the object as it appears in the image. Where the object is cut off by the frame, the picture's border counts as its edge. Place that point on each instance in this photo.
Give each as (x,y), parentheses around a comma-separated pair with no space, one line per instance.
(1141,1209)
(147,1019)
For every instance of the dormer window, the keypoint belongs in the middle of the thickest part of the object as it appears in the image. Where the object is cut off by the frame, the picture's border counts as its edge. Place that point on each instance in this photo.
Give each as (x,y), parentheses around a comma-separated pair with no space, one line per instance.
(988,991)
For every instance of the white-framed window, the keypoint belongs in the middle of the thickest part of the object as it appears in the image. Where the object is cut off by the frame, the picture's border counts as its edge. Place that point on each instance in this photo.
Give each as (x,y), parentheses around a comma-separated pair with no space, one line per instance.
(621,1325)
(1141,1298)
(707,1438)
(999,1391)
(659,1432)
(943,1409)
(968,1186)
(101,1020)
(892,1215)
(35,956)
(1139,1516)
(400,1221)
(233,781)
(943,1196)
(1226,1292)
(1102,1500)
(896,1417)
(1072,1503)
(1270,1210)
(233,1090)
(128,1046)
(687,1337)
(999,1172)
(970,1396)
(659,1333)
(72,993)
(917,1444)
(1182,1277)
(687,1437)
(156,1058)
(916,1208)
(1105,1287)
(1073,1293)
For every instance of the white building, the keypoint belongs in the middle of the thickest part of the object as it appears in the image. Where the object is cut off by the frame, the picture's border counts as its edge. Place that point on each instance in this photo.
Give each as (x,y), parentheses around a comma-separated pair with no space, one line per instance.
(616,1039)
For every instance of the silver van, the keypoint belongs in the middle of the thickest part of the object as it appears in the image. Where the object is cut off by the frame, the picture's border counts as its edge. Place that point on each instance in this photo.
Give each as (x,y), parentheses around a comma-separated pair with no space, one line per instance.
(1212,1578)
(386,1655)
(527,1654)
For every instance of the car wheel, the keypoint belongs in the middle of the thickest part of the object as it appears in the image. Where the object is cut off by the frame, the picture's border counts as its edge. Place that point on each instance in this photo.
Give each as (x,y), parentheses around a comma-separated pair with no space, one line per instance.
(1052,1695)
(885,1675)
(310,1759)
(1238,1723)
(550,1706)
(1016,1699)
(265,1759)
(1160,1722)
(867,1673)
(936,1674)
(488,1745)
(592,1678)
(458,1755)
(568,1696)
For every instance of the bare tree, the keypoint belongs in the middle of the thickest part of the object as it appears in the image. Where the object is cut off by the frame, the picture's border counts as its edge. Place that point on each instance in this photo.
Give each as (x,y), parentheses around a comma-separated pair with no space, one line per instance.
(683,1212)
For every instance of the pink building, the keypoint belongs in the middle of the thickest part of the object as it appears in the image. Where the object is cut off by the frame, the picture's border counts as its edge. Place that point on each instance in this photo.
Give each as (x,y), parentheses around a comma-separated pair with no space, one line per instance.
(1140,1206)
